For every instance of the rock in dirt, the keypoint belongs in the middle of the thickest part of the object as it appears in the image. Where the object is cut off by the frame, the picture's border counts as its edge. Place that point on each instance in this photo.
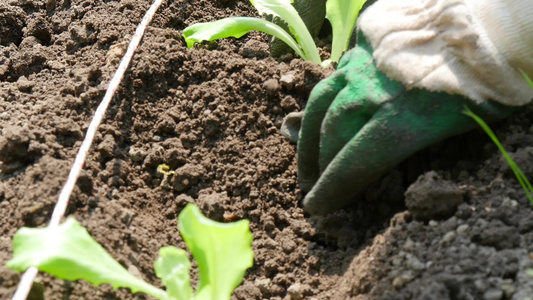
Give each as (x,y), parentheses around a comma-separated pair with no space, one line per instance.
(290,128)
(272,87)
(297,291)
(431,197)
(289,104)
(287,81)
(24,85)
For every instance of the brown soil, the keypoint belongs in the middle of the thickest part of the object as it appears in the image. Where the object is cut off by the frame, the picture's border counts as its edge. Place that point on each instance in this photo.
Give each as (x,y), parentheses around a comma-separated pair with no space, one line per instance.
(213,115)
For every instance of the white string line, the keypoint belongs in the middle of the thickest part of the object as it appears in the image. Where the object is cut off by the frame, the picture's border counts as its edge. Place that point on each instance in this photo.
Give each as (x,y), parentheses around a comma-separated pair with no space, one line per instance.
(27,278)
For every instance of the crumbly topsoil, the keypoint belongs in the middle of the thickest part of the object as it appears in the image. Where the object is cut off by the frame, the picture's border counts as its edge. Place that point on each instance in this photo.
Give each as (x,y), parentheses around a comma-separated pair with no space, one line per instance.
(213,115)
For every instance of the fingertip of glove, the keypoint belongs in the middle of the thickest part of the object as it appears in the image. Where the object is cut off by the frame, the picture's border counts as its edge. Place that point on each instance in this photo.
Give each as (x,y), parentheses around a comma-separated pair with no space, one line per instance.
(314,206)
(306,185)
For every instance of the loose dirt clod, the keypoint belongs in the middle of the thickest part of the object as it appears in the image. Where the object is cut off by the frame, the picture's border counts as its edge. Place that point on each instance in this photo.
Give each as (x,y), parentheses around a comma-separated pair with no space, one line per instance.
(431,198)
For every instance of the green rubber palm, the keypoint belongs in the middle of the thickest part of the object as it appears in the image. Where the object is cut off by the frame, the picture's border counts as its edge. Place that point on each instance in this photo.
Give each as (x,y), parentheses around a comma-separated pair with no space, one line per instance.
(358,124)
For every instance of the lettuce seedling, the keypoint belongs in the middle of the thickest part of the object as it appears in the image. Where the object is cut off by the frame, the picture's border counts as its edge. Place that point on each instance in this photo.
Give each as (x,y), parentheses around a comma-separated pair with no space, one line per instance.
(222,250)
(524,74)
(239,26)
(341,13)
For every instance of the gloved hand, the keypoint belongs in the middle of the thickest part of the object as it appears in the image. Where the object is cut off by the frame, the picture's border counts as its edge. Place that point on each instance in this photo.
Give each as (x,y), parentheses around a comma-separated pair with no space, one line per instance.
(359,123)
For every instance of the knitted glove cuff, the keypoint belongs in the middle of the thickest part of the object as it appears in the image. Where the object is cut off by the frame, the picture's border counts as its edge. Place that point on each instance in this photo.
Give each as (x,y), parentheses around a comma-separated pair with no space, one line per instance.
(468,47)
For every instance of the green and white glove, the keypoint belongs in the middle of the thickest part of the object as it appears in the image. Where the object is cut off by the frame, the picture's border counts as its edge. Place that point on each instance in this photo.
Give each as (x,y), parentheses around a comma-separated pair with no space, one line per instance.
(404,86)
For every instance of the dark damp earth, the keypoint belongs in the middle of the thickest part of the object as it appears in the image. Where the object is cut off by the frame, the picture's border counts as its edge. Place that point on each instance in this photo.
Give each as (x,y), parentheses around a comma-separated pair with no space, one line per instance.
(213,114)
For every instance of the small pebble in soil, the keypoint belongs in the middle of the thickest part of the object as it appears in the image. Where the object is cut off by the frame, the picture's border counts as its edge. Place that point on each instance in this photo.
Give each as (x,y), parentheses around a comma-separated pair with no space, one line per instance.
(462,229)
(448,237)
(402,280)
(287,81)
(414,263)
(290,128)
(297,291)
(288,245)
(493,294)
(289,104)
(24,85)
(432,198)
(272,87)
(263,285)
(136,154)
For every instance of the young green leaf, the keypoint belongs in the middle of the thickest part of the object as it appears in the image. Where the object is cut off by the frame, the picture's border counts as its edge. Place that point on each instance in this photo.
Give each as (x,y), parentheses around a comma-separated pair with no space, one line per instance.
(526,78)
(68,252)
(223,252)
(173,266)
(304,46)
(236,27)
(342,14)
(522,179)
(284,10)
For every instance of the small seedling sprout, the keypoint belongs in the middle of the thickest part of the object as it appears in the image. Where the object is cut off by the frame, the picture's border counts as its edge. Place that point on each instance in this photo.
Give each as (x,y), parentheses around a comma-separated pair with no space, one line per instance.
(164,169)
(342,15)
(223,252)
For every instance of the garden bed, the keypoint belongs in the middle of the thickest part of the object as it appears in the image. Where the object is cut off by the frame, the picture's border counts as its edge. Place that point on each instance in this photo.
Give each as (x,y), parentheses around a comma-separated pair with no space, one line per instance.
(213,114)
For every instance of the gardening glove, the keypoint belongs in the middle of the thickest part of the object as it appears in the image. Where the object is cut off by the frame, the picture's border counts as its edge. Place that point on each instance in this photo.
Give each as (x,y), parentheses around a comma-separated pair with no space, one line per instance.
(404,87)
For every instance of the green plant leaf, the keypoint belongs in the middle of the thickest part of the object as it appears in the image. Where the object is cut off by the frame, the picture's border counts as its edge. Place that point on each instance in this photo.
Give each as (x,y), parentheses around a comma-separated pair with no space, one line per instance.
(223,252)
(284,10)
(342,14)
(529,81)
(237,27)
(68,252)
(522,179)
(173,267)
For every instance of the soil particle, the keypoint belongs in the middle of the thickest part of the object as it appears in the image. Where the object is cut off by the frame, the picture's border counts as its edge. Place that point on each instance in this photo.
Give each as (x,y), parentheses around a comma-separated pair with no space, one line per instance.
(499,235)
(247,291)
(298,291)
(289,104)
(520,157)
(493,294)
(25,85)
(287,81)
(106,147)
(187,176)
(431,198)
(39,28)
(213,204)
(12,22)
(272,86)
(14,143)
